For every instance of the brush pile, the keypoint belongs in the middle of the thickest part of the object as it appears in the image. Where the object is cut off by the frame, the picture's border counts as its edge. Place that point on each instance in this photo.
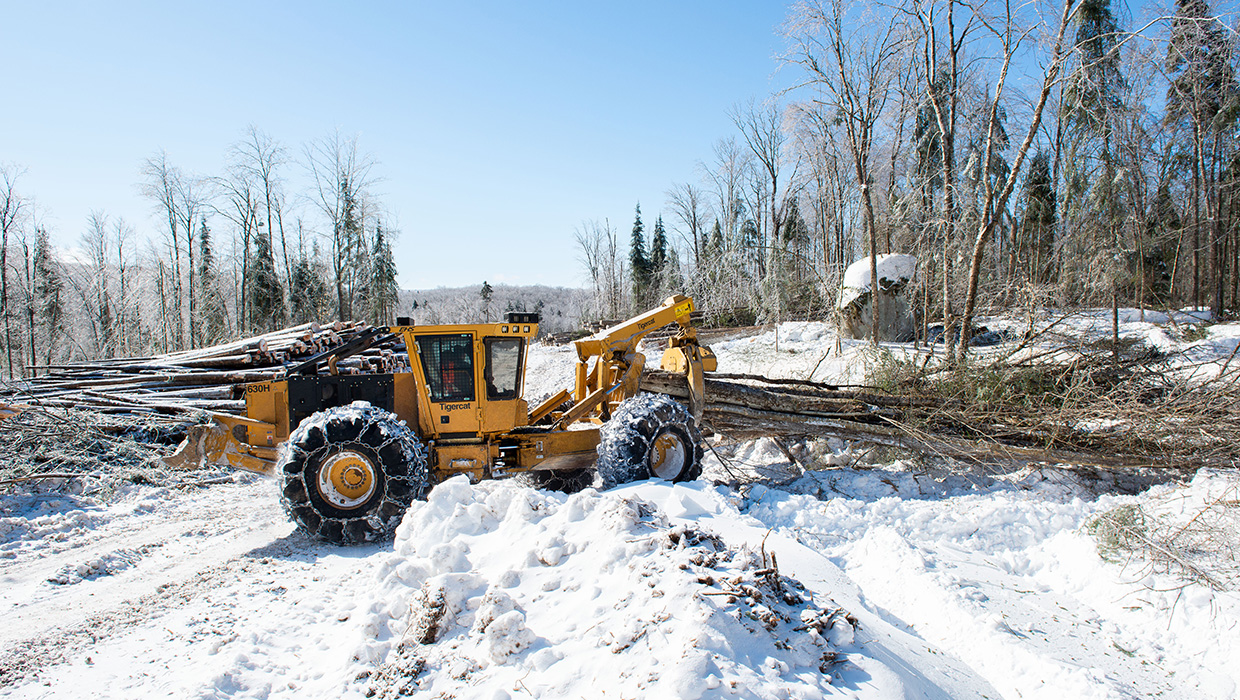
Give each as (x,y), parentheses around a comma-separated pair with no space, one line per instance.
(1101,407)
(57,447)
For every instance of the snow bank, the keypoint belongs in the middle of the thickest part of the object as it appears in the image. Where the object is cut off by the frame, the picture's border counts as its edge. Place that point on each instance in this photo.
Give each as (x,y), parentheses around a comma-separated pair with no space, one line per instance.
(495,590)
(1008,577)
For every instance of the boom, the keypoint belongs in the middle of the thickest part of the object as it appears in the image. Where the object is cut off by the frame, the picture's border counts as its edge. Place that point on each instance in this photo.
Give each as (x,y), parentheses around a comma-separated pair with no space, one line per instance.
(609,365)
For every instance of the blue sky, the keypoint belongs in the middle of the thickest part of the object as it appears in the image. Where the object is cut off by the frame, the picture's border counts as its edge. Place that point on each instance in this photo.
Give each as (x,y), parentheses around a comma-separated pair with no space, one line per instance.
(498,127)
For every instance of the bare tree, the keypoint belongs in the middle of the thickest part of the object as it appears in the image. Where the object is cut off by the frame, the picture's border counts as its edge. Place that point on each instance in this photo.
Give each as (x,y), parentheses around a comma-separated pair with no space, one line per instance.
(688,205)
(727,177)
(180,199)
(13,211)
(855,73)
(92,286)
(261,157)
(600,254)
(341,176)
(128,319)
(1009,33)
(942,82)
(240,204)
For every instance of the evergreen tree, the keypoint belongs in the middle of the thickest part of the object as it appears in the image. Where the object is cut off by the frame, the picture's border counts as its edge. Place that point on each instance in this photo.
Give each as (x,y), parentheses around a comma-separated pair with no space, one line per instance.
(307,289)
(716,239)
(928,144)
(751,244)
(1203,96)
(210,323)
(639,264)
(1095,91)
(486,293)
(658,248)
(1157,246)
(266,294)
(1094,98)
(1036,238)
(1202,79)
(48,287)
(348,248)
(384,292)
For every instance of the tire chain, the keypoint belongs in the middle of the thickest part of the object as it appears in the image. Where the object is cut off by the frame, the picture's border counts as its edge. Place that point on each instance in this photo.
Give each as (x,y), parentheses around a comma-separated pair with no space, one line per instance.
(416,479)
(626,438)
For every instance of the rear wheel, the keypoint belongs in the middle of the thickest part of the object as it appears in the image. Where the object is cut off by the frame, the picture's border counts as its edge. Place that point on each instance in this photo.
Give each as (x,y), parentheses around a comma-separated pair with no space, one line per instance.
(650,436)
(350,472)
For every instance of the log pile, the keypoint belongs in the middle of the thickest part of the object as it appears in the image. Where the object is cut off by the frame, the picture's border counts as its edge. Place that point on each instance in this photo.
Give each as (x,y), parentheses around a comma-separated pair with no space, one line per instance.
(210,378)
(742,406)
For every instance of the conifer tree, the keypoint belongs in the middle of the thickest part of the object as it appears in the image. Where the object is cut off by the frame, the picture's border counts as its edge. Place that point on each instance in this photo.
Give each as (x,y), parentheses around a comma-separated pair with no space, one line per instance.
(347,244)
(486,293)
(384,291)
(1203,95)
(1163,228)
(1036,237)
(716,239)
(48,286)
(266,297)
(639,264)
(658,248)
(307,289)
(209,327)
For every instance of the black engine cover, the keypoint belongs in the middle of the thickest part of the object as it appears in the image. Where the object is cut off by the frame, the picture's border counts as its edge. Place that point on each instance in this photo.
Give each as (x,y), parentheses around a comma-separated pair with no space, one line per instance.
(309,395)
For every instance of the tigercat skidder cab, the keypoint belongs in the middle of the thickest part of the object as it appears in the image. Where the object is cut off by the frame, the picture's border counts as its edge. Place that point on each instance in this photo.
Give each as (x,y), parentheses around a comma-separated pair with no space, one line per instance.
(353,451)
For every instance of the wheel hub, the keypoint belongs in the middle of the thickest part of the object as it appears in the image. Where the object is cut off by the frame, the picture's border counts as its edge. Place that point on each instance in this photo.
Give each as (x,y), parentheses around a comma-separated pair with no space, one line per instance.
(347,480)
(667,456)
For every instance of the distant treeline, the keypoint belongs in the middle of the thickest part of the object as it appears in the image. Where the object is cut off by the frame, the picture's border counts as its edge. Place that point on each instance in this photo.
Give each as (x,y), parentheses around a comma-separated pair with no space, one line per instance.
(560,307)
(232,256)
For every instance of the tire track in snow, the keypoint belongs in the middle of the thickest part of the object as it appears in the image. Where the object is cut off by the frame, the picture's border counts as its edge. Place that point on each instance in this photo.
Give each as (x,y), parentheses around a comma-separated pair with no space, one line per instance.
(169,557)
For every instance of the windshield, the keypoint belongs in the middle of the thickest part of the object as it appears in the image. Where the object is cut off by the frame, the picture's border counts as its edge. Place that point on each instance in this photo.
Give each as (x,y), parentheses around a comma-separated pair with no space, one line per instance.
(448,363)
(503,368)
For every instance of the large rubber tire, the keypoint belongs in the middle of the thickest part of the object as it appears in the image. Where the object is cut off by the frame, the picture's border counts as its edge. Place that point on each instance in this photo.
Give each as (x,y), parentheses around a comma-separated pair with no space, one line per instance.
(649,436)
(563,480)
(350,472)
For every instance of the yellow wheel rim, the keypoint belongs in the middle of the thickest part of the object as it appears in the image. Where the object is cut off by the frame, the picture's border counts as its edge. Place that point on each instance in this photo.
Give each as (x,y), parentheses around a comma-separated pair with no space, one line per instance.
(347,480)
(667,456)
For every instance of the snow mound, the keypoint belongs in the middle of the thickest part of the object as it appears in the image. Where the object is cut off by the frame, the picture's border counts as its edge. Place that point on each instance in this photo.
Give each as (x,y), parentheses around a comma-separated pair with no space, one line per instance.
(493,589)
(892,269)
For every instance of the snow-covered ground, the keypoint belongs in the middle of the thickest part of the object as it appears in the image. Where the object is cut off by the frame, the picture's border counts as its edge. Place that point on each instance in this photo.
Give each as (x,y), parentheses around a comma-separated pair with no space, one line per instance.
(854,580)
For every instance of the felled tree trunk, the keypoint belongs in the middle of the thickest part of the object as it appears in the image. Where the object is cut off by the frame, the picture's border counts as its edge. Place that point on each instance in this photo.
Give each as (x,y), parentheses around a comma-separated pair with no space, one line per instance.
(747,407)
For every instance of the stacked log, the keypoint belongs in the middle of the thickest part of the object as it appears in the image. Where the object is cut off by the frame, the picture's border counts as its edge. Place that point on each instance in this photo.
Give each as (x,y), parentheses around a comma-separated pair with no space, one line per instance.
(210,378)
(746,406)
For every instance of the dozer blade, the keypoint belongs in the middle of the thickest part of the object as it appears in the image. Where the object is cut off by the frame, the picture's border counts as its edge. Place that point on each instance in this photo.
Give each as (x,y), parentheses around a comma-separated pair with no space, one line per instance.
(8,410)
(218,442)
(202,446)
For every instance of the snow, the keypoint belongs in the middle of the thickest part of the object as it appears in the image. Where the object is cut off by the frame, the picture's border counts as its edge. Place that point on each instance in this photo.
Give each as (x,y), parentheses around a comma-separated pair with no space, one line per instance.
(863,578)
(892,267)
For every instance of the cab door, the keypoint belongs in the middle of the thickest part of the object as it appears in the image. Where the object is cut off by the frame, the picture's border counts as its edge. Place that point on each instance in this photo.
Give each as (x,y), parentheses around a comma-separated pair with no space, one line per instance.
(451,379)
(503,368)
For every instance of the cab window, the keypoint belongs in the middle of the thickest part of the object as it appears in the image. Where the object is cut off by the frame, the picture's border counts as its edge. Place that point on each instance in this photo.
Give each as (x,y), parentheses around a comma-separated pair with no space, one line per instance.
(503,368)
(448,362)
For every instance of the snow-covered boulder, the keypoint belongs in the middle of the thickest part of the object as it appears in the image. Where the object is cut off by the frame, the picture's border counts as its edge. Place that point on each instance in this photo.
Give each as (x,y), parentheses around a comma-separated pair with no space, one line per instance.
(896,274)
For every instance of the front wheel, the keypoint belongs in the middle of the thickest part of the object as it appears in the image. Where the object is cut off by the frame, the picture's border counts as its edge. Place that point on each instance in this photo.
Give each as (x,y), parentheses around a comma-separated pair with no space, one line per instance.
(650,436)
(350,472)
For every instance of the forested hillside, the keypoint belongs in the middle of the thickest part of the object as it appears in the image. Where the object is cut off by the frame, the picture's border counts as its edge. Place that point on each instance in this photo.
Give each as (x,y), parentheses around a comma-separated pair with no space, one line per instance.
(1034,154)
(560,307)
